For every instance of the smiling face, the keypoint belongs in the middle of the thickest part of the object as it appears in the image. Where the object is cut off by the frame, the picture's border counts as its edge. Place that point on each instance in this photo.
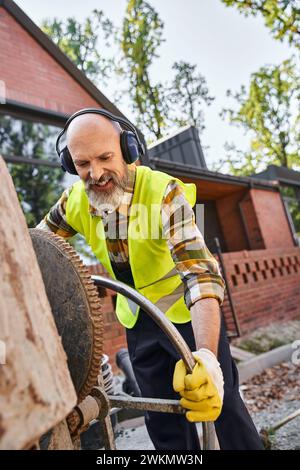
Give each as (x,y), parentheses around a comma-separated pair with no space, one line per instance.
(94,144)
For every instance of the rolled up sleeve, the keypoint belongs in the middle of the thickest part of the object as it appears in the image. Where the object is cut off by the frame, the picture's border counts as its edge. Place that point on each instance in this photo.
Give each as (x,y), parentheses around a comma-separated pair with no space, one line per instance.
(198,268)
(55,220)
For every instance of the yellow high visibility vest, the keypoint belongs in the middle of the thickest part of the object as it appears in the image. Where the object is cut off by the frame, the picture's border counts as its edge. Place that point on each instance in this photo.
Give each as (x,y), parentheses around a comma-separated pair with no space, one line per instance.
(152,266)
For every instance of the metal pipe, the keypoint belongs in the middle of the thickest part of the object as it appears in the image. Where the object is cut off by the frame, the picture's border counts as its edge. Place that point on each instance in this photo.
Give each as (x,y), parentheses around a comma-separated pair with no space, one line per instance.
(155,313)
(146,404)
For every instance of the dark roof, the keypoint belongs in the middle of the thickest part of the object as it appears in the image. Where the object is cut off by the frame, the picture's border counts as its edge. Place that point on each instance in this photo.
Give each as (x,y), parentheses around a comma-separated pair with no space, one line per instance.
(58,55)
(179,169)
(281,174)
(182,146)
(180,154)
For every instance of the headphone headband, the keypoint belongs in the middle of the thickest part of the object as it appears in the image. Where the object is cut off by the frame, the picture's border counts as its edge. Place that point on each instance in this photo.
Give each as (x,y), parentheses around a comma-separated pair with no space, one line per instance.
(104,113)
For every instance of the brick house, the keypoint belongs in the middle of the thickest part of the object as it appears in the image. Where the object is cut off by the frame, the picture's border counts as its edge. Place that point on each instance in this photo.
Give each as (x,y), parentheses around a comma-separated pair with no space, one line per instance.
(258,252)
(289,184)
(249,216)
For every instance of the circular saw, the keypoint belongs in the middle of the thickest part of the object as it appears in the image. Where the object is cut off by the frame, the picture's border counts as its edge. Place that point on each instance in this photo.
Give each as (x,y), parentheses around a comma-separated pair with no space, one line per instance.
(75,305)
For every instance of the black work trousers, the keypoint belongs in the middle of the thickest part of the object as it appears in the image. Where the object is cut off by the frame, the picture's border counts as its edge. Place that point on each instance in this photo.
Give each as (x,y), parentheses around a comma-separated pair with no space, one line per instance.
(153,358)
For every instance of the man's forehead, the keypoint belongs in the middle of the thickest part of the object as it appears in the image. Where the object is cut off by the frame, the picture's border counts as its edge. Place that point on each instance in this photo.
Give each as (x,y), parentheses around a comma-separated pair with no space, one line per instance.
(87,124)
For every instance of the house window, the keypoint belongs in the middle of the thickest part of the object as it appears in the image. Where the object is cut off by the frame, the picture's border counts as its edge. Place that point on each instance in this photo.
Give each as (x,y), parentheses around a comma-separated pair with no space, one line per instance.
(38,186)
(291,199)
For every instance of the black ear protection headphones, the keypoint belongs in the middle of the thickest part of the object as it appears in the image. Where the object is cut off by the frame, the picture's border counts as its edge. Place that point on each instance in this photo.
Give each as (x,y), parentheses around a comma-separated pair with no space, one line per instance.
(131,146)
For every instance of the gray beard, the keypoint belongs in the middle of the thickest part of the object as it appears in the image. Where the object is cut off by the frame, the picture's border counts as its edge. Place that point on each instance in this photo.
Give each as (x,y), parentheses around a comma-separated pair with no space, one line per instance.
(110,200)
(102,202)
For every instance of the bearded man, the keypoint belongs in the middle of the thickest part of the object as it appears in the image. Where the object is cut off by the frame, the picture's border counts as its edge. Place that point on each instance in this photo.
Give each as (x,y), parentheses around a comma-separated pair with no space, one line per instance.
(170,264)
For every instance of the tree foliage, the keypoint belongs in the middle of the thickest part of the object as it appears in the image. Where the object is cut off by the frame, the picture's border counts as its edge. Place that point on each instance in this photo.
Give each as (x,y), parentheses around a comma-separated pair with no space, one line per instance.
(38,187)
(187,92)
(282,17)
(158,107)
(141,37)
(269,111)
(82,41)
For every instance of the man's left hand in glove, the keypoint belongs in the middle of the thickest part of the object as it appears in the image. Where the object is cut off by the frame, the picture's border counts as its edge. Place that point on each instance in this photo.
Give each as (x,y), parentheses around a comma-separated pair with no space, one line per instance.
(202,391)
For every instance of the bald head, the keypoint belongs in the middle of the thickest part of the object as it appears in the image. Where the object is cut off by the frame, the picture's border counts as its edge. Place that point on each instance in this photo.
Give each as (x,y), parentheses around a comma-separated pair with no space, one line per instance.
(90,127)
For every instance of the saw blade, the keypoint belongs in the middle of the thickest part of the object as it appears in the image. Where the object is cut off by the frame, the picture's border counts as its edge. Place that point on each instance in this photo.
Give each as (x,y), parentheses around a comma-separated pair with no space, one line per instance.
(75,305)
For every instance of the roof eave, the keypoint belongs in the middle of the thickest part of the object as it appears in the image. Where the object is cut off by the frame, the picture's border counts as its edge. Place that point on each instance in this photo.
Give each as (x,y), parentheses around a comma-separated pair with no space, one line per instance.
(201,173)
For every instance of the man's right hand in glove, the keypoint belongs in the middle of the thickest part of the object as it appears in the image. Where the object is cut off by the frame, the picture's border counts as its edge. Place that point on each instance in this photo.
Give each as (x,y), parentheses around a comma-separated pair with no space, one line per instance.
(202,391)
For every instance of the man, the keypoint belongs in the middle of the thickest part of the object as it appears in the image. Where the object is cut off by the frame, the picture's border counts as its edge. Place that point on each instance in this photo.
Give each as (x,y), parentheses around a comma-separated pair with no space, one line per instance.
(169,263)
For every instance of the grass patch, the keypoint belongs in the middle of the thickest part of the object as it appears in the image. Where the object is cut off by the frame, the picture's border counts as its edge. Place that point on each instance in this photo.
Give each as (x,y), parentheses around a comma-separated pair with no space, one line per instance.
(269,337)
(260,344)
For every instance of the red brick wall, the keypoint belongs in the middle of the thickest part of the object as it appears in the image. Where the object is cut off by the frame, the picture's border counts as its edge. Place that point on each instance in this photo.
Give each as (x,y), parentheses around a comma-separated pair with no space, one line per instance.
(272,220)
(32,76)
(231,222)
(265,285)
(251,223)
(262,213)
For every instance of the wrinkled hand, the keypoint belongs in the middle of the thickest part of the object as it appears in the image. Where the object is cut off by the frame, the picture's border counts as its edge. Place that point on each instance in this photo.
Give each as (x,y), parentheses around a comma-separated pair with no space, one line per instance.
(202,391)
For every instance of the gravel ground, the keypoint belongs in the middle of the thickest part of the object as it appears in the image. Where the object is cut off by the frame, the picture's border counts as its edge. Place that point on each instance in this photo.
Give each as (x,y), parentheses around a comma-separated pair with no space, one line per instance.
(270,397)
(288,436)
(133,437)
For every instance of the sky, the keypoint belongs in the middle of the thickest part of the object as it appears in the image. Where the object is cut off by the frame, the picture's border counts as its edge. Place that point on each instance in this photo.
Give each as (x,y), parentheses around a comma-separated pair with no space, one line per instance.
(226,47)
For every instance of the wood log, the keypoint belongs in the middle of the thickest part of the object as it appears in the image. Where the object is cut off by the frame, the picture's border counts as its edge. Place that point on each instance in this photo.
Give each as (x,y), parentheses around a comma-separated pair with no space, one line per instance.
(36,391)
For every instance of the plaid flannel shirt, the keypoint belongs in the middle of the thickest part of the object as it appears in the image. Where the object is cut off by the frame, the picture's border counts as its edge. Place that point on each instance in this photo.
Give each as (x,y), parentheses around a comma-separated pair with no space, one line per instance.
(197,267)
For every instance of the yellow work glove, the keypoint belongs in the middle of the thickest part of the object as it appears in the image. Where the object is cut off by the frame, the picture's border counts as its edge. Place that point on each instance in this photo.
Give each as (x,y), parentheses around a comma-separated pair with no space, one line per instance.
(202,391)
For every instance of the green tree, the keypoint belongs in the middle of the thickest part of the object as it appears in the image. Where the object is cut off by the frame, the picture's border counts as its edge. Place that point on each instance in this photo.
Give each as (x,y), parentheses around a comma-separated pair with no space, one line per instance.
(37,187)
(81,42)
(140,39)
(157,107)
(187,92)
(282,17)
(269,111)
